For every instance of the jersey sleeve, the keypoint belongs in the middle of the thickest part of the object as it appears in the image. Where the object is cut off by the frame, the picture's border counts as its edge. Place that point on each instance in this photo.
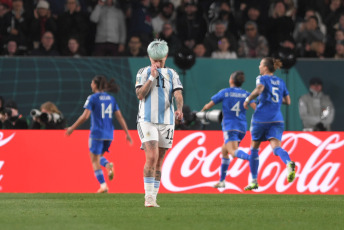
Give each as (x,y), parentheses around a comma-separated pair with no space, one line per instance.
(217,98)
(88,103)
(260,80)
(177,84)
(142,76)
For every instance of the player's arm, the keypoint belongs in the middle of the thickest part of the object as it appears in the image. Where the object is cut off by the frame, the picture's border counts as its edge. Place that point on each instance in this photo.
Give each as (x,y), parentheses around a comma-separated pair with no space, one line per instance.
(255,93)
(83,117)
(179,101)
(208,106)
(286,100)
(123,124)
(141,92)
(253,105)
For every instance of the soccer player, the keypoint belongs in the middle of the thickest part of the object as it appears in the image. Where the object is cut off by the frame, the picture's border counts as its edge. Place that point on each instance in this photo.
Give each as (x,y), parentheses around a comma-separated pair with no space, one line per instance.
(267,121)
(156,85)
(101,106)
(234,121)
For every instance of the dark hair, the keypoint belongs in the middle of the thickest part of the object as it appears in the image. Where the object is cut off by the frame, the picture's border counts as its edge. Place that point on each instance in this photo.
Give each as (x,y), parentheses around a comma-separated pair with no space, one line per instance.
(315,18)
(104,85)
(273,64)
(238,78)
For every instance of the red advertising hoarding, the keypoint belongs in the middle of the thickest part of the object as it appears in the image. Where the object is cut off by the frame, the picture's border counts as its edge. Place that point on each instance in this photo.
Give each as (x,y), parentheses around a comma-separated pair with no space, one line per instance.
(47,161)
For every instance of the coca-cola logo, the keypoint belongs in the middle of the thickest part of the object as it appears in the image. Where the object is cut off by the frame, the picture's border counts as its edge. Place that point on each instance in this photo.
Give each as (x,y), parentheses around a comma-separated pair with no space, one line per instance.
(6,140)
(190,165)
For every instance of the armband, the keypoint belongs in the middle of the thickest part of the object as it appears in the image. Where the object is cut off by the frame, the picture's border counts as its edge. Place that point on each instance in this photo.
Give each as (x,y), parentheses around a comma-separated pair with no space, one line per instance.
(247,100)
(151,78)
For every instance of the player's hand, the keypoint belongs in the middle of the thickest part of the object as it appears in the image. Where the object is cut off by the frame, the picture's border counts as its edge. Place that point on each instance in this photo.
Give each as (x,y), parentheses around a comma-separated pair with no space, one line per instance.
(129,140)
(179,115)
(154,70)
(69,131)
(246,105)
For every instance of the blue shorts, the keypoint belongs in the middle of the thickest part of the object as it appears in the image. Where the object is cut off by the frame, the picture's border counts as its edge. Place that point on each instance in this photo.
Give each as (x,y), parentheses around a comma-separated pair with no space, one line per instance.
(99,146)
(266,131)
(233,135)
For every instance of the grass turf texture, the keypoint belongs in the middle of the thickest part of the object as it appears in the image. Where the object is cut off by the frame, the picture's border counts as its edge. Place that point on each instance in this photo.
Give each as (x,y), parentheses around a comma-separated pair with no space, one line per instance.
(177,211)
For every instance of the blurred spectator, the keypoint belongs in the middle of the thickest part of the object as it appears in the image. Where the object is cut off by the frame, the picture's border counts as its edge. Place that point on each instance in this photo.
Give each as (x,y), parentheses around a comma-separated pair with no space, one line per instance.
(307,34)
(111,29)
(316,108)
(16,24)
(72,23)
(141,22)
(279,26)
(310,12)
(191,26)
(253,14)
(11,49)
(41,23)
(303,5)
(290,8)
(173,41)
(47,47)
(339,50)
(252,44)
(200,50)
(315,50)
(154,8)
(223,51)
(226,16)
(134,48)
(166,15)
(339,24)
(74,49)
(48,117)
(11,118)
(332,14)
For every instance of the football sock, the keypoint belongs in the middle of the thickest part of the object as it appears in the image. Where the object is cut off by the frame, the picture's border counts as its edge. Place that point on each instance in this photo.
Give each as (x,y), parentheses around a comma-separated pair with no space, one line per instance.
(254,163)
(278,151)
(99,176)
(156,188)
(149,185)
(241,154)
(224,167)
(103,161)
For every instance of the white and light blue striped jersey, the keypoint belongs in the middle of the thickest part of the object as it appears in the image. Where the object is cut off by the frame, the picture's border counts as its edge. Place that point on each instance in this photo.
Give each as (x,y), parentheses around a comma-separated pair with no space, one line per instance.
(157,107)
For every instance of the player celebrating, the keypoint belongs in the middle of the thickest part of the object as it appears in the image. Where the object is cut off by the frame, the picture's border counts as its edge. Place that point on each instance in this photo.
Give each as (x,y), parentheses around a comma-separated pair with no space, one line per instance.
(267,120)
(234,121)
(155,87)
(100,106)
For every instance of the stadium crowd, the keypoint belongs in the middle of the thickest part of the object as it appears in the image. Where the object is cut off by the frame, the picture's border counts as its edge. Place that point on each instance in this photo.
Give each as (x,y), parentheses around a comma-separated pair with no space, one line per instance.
(211,28)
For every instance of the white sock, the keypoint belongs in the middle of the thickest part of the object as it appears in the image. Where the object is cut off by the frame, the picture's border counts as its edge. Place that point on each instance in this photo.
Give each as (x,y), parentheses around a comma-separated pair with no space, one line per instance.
(149,185)
(156,188)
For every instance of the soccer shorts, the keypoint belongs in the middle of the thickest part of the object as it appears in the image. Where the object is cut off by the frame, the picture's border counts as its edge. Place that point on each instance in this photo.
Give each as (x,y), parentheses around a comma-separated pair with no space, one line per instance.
(233,135)
(99,146)
(267,131)
(161,133)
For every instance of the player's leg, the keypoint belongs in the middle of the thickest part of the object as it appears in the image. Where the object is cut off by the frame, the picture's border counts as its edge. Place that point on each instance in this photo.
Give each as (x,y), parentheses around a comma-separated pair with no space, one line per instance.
(225,161)
(162,152)
(96,147)
(104,162)
(238,152)
(254,164)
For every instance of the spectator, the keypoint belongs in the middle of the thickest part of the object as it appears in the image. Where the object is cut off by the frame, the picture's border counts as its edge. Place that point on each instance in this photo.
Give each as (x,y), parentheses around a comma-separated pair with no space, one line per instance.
(191,26)
(47,47)
(72,23)
(316,108)
(315,50)
(301,25)
(332,14)
(134,48)
(212,39)
(12,119)
(49,117)
(111,29)
(173,41)
(252,44)
(74,49)
(253,14)
(16,24)
(307,34)
(11,48)
(279,26)
(226,16)
(339,24)
(41,23)
(223,51)
(166,15)
(290,9)
(339,50)
(155,8)
(200,50)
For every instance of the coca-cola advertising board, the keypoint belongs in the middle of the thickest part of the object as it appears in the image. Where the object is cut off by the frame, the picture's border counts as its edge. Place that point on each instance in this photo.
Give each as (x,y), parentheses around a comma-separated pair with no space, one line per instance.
(47,161)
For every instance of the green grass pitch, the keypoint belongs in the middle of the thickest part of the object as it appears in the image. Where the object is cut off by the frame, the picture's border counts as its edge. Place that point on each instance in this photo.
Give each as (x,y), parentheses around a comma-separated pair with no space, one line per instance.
(177,212)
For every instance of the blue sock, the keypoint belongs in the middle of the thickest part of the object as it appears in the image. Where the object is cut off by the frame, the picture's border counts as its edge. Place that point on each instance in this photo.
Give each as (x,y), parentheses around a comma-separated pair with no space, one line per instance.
(99,176)
(242,155)
(254,163)
(103,161)
(278,151)
(156,184)
(224,167)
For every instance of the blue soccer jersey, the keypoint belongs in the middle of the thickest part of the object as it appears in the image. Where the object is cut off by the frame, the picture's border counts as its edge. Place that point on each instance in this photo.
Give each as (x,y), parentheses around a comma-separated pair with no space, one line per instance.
(102,107)
(270,100)
(234,113)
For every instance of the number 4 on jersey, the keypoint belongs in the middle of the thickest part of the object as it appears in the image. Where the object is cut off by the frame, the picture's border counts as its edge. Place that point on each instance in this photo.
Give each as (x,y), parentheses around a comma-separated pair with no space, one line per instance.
(108,110)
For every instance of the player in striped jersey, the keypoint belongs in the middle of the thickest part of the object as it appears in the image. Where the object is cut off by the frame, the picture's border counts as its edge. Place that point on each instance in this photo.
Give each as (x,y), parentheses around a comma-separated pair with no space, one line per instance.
(156,85)
(101,106)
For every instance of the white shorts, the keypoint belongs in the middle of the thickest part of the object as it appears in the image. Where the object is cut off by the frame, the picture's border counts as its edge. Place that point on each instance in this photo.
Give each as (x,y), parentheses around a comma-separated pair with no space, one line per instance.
(161,133)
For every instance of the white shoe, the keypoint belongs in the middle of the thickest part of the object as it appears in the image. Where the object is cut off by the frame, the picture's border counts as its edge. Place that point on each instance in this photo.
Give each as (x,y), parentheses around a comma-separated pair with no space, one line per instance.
(110,170)
(149,201)
(220,184)
(156,205)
